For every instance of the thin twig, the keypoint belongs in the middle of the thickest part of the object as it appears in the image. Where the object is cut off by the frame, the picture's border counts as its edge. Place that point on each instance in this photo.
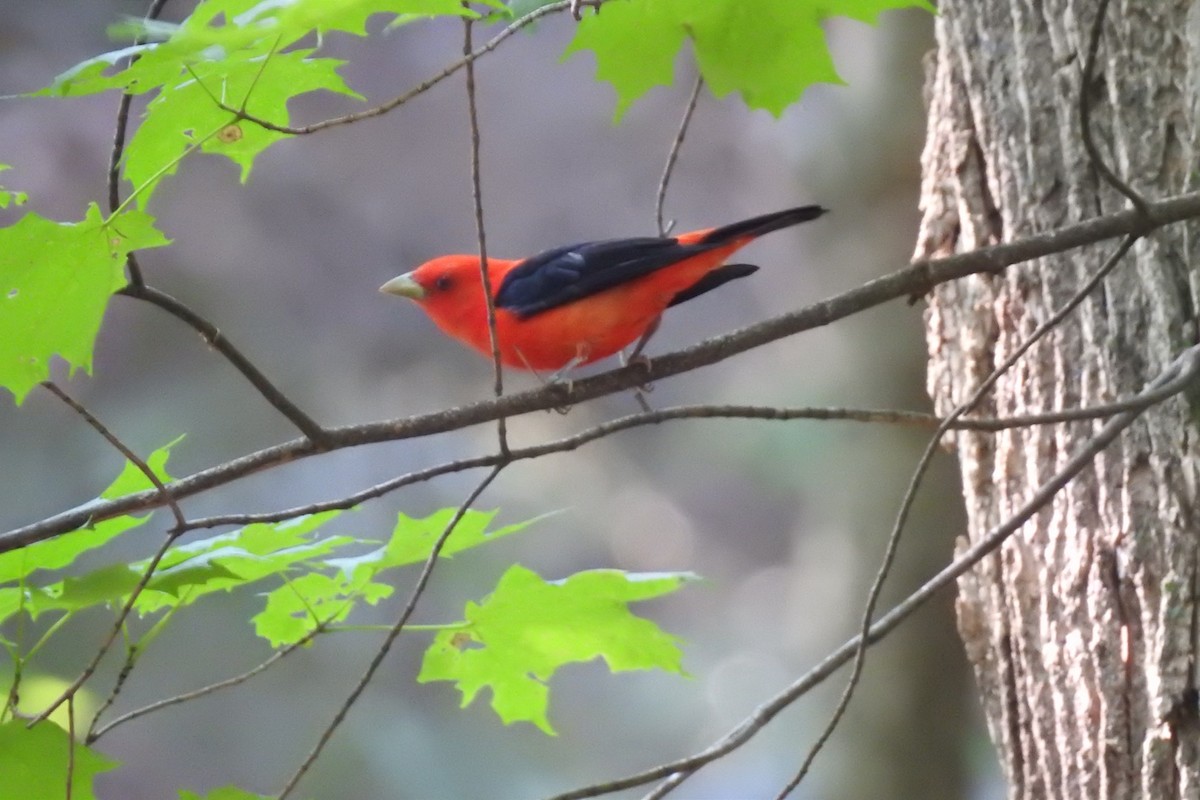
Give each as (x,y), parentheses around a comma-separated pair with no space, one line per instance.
(916,279)
(673,156)
(70,746)
(570,443)
(477,196)
(90,669)
(131,653)
(420,89)
(910,496)
(132,457)
(1178,376)
(218,341)
(390,638)
(118,149)
(209,689)
(1085,117)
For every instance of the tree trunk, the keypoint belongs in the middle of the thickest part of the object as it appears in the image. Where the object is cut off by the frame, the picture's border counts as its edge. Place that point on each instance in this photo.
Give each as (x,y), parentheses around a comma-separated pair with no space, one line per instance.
(1081,629)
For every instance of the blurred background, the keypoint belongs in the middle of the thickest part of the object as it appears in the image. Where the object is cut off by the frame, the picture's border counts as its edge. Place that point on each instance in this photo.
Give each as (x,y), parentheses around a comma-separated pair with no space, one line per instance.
(786,521)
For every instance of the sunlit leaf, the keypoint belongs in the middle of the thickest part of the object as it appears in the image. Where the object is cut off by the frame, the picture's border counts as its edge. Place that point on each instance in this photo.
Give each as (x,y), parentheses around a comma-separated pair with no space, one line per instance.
(516,639)
(770,51)
(55,282)
(34,763)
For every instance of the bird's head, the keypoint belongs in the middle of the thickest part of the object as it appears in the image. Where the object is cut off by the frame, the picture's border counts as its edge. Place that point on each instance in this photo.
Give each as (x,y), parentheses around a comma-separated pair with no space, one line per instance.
(448,288)
(443,279)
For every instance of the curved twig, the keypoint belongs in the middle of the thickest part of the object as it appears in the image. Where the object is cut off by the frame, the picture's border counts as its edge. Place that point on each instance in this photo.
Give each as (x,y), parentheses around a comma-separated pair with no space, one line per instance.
(424,86)
(673,156)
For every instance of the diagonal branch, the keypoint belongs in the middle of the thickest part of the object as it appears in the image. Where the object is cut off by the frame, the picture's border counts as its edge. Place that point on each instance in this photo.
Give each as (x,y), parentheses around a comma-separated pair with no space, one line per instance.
(1178,376)
(218,341)
(123,449)
(911,281)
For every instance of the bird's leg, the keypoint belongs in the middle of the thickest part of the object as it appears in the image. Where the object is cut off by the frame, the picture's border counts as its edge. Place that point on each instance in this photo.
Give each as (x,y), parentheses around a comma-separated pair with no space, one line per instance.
(558,377)
(636,357)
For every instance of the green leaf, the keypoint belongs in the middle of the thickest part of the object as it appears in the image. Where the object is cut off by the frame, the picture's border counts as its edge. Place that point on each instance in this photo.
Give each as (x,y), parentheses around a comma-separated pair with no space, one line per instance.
(185,115)
(412,540)
(769,50)
(34,763)
(55,282)
(61,551)
(516,639)
(132,480)
(190,571)
(635,45)
(295,609)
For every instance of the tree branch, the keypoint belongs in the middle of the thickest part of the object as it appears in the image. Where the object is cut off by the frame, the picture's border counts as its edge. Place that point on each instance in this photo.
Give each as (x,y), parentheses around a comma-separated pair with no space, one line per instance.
(911,281)
(216,340)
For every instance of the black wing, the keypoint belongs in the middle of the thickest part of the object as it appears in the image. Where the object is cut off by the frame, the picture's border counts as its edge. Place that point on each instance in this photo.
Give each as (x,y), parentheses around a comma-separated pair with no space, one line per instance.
(566,274)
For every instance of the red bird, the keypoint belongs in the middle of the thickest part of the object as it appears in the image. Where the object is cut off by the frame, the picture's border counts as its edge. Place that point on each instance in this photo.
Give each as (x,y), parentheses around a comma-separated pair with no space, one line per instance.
(577,304)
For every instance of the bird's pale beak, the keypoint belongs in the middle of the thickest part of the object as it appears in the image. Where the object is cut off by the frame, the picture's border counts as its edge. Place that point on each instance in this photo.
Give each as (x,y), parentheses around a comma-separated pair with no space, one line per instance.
(404,286)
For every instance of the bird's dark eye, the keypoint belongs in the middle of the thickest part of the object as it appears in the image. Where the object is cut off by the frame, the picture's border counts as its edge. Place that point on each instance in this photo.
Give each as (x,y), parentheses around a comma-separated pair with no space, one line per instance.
(443,283)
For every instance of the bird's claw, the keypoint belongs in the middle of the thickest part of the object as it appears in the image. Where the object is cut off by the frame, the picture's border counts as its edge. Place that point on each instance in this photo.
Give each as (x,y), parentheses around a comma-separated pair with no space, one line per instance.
(641,361)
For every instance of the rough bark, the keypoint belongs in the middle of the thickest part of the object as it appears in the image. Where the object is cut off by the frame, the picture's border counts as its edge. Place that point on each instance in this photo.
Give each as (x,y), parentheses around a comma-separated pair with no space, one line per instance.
(1081,630)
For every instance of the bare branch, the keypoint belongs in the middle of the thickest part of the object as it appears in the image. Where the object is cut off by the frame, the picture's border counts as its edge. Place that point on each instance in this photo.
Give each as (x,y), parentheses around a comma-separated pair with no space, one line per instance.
(571,443)
(131,654)
(90,669)
(118,150)
(275,657)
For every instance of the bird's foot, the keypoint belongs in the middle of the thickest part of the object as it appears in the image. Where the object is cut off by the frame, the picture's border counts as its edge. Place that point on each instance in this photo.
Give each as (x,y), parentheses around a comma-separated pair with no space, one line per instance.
(562,383)
(642,362)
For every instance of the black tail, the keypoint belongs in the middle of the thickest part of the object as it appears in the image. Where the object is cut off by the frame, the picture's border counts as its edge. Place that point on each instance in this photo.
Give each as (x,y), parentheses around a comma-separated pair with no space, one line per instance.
(757,226)
(711,280)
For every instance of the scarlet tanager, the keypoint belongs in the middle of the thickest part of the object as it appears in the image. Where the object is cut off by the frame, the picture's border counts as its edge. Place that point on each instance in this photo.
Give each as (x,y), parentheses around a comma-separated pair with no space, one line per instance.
(577,304)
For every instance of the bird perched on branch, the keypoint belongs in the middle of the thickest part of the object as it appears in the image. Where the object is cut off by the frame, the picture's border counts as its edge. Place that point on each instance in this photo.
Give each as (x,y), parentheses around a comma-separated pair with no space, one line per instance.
(577,304)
